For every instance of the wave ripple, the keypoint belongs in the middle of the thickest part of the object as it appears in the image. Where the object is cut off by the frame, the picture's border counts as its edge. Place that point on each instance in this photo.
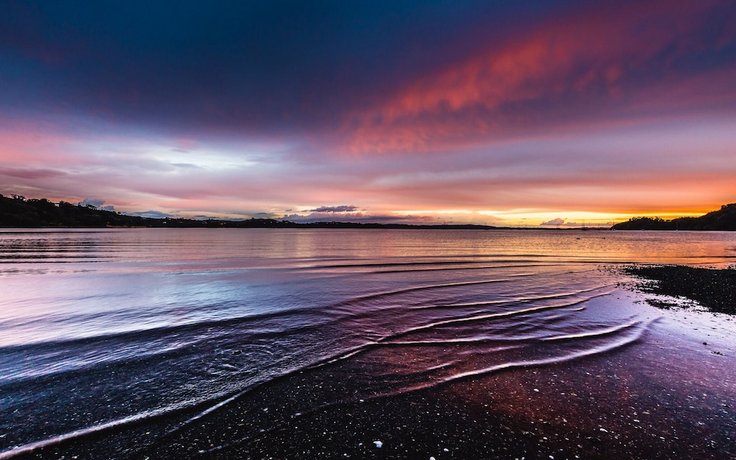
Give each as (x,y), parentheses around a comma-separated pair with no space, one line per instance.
(162,326)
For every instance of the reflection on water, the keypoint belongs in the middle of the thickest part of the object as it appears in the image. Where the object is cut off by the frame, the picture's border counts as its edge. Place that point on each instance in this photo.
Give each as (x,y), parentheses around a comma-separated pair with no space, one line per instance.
(98,328)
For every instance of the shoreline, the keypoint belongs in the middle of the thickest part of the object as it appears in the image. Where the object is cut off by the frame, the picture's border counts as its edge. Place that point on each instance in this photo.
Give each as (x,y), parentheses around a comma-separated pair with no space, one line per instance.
(619,404)
(712,288)
(508,345)
(319,226)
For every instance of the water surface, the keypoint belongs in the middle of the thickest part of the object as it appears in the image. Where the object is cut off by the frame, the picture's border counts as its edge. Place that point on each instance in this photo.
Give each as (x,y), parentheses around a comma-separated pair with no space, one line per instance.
(100,329)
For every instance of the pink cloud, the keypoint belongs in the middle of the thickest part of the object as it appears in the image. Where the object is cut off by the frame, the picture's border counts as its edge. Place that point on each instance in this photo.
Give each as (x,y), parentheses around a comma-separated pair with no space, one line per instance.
(546,79)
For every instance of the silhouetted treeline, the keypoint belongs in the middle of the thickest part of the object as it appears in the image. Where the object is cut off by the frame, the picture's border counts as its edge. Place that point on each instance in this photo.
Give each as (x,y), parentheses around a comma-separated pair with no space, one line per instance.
(17,211)
(723,219)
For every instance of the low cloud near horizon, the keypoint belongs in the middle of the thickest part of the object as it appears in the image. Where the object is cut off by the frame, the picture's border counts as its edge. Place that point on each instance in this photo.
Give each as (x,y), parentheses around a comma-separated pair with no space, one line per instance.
(557,221)
(359,217)
(341,208)
(96,203)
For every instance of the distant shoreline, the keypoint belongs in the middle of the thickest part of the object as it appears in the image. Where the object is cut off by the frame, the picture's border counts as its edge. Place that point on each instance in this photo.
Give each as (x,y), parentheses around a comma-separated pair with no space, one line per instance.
(19,212)
(315,225)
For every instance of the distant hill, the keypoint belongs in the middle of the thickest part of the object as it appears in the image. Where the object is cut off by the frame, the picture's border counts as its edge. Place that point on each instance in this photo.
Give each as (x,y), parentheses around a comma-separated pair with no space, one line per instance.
(17,211)
(723,219)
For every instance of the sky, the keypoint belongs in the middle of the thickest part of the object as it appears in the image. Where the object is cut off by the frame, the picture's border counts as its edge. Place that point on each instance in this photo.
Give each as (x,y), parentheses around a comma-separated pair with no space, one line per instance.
(526,113)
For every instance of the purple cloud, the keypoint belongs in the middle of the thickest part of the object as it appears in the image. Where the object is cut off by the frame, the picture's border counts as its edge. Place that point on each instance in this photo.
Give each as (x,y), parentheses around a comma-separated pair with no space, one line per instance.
(341,208)
(557,221)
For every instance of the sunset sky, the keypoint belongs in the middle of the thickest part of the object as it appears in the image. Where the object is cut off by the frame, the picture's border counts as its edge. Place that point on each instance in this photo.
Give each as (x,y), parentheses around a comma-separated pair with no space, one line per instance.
(498,112)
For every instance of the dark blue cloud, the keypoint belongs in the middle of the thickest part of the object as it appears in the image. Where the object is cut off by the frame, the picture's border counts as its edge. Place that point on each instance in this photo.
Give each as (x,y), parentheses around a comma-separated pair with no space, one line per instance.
(341,208)
(150,214)
(261,67)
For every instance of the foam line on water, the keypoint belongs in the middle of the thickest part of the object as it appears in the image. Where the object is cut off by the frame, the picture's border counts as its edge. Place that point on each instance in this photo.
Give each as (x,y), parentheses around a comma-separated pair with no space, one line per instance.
(499,314)
(519,299)
(386,339)
(426,287)
(554,360)
(133,419)
(210,405)
(461,268)
(606,348)
(593,334)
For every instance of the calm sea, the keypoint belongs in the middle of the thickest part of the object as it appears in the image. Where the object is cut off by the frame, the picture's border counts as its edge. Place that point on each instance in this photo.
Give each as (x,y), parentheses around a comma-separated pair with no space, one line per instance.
(99,329)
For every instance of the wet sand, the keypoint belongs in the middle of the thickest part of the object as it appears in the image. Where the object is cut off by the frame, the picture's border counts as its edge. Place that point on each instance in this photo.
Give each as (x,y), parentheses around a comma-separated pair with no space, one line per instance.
(671,398)
(606,411)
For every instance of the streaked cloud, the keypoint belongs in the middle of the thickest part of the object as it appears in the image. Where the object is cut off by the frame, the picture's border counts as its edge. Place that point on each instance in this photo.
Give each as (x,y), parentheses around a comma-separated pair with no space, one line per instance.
(341,208)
